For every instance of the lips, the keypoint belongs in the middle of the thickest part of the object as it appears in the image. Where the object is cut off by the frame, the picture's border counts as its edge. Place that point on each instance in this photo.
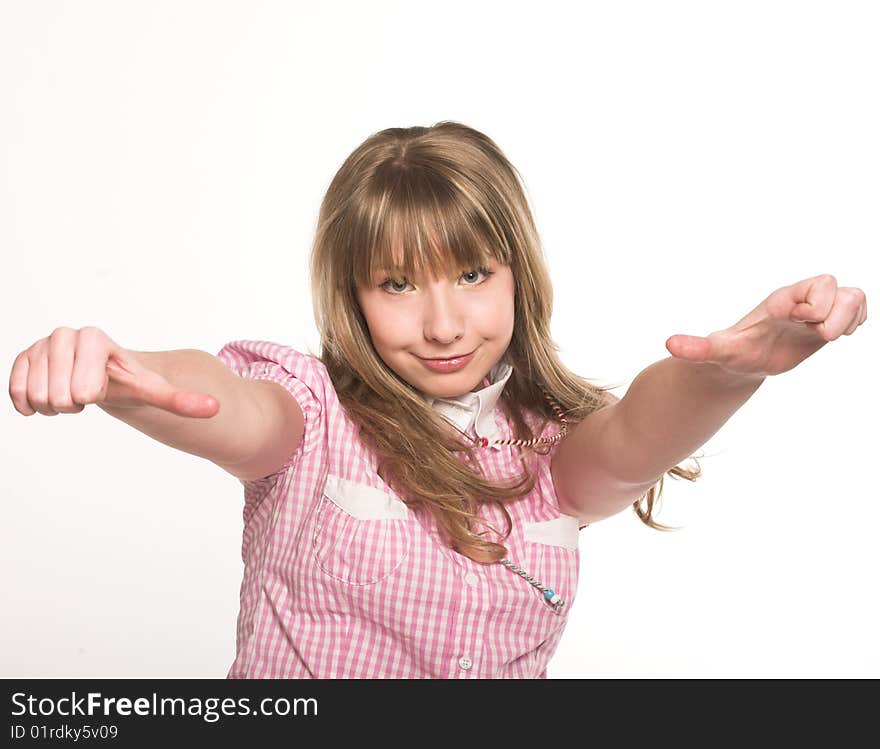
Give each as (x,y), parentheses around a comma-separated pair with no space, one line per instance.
(445,358)
(448,364)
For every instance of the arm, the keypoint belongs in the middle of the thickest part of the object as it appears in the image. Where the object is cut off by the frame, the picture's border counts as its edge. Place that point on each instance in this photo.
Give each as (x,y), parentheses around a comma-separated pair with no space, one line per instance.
(248,426)
(616,454)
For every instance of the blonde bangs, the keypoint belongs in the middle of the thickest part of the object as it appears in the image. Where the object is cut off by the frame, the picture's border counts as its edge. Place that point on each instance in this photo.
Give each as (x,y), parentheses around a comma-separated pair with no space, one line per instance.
(422,221)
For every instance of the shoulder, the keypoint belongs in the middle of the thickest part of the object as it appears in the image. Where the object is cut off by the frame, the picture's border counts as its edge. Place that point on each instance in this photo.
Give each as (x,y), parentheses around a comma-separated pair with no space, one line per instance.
(295,400)
(267,360)
(241,355)
(300,375)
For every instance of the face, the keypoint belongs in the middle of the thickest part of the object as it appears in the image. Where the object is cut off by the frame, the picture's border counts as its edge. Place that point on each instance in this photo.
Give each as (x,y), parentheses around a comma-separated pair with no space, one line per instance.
(414,319)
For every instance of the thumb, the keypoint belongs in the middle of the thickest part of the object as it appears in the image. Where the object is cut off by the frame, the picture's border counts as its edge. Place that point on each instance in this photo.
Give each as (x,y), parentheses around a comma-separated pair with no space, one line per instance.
(151,388)
(692,348)
(162,394)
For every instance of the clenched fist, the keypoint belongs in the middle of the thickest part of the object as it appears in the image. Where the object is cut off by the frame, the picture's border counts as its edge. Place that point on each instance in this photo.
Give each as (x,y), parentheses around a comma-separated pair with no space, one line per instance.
(72,368)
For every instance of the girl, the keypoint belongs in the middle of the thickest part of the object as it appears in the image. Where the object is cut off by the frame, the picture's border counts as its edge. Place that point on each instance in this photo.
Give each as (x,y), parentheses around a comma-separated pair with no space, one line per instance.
(414,496)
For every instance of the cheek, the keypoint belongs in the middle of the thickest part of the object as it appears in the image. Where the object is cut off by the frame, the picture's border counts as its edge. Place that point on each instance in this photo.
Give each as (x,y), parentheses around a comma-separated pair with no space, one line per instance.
(496,313)
(388,327)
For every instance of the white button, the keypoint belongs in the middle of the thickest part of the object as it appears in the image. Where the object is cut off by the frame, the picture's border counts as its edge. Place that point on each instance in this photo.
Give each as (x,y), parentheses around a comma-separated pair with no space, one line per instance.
(465,663)
(471,578)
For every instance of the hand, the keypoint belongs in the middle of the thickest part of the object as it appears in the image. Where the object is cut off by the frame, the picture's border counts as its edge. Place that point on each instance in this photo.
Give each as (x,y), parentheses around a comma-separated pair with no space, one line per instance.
(71,368)
(788,326)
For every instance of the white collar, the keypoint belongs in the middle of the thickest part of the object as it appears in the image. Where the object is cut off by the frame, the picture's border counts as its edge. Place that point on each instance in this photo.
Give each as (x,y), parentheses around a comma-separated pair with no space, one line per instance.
(476,407)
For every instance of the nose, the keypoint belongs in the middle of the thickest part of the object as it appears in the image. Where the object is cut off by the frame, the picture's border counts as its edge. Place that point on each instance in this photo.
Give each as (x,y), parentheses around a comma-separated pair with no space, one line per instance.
(444,317)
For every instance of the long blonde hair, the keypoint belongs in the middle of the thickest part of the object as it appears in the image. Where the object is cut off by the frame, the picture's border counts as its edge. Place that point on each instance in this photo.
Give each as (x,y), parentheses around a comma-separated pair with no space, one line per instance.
(448,196)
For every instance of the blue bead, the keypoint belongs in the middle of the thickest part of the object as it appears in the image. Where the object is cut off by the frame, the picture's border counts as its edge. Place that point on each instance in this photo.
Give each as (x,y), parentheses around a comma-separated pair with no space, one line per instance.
(548,594)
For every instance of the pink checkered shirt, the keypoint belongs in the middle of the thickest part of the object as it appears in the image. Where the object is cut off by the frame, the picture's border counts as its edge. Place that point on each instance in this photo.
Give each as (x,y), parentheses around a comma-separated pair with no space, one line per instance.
(343,580)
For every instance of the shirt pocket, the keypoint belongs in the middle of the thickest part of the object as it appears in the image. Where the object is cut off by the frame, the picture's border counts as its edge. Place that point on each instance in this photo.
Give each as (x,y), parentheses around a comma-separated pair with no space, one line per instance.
(550,556)
(362,534)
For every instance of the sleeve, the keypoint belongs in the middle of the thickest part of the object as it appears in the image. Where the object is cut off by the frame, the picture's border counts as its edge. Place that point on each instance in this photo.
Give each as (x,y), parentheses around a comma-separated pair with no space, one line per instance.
(302,375)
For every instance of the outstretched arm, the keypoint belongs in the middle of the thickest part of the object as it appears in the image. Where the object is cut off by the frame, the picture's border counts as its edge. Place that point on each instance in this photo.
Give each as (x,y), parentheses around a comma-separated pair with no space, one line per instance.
(616,454)
(675,405)
(230,436)
(672,408)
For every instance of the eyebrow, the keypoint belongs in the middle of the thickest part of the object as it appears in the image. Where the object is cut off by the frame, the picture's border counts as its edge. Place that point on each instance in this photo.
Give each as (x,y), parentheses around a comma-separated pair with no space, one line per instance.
(395,271)
(399,272)
(400,268)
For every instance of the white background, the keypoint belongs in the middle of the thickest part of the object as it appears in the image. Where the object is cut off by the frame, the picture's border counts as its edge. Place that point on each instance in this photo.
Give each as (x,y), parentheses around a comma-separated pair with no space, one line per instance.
(161,167)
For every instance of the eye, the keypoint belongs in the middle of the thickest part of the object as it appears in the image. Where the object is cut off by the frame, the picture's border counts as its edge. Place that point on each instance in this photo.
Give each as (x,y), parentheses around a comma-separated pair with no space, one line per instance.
(390,283)
(485,271)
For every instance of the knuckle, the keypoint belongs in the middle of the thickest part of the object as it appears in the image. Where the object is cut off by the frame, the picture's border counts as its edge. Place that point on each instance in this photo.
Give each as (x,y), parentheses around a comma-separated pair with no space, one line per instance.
(18,395)
(20,403)
(36,350)
(91,331)
(59,404)
(84,395)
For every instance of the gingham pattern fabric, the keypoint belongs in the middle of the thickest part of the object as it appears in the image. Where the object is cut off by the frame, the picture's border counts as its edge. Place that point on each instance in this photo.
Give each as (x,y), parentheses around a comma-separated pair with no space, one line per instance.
(343,580)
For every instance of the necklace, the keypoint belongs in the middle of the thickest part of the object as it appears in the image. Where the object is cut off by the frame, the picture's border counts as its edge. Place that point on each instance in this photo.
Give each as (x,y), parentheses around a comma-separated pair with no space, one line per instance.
(550,595)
